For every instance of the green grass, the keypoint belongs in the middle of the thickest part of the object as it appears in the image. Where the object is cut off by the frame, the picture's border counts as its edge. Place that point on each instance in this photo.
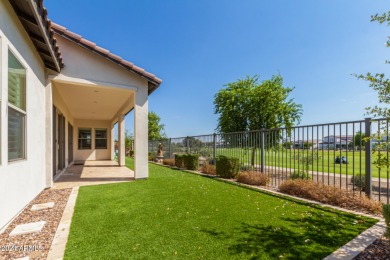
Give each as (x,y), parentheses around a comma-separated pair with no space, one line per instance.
(175,214)
(284,158)
(130,163)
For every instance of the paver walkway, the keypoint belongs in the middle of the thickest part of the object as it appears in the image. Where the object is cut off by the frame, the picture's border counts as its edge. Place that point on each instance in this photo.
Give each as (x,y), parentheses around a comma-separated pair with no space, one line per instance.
(93,173)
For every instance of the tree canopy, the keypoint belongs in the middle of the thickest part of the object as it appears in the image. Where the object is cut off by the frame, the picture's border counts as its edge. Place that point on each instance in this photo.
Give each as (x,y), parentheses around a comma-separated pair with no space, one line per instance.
(378,81)
(248,104)
(381,85)
(156,129)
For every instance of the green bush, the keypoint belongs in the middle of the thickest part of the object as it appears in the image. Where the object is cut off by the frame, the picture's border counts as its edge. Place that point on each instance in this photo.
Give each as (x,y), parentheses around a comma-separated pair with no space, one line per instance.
(300,175)
(131,153)
(179,161)
(359,181)
(151,158)
(227,167)
(190,161)
(386,215)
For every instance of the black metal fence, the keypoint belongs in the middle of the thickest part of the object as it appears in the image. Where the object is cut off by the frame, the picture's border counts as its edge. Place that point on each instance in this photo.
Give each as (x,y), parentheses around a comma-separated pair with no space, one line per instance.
(335,154)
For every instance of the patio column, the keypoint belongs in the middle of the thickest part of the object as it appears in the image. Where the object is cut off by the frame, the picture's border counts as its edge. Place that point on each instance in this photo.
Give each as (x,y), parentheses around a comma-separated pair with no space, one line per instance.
(141,168)
(112,142)
(121,140)
(48,134)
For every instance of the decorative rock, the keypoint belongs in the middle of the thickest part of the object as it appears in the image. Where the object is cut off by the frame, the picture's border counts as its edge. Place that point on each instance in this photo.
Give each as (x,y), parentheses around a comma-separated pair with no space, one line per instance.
(42,206)
(27,228)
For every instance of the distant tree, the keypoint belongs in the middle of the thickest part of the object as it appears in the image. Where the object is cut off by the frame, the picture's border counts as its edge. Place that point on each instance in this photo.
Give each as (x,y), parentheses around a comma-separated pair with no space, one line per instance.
(193,142)
(156,129)
(129,139)
(248,104)
(358,141)
(307,145)
(288,145)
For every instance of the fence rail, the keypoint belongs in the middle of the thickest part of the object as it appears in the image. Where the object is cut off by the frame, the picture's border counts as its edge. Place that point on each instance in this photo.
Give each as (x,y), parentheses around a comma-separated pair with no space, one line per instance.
(334,154)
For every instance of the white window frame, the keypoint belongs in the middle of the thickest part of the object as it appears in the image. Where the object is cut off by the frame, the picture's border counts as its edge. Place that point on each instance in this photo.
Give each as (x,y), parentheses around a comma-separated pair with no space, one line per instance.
(78,138)
(9,105)
(101,129)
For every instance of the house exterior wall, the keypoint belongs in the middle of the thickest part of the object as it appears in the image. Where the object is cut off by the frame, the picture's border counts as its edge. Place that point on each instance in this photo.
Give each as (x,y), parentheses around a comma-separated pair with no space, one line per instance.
(22,180)
(92,154)
(94,67)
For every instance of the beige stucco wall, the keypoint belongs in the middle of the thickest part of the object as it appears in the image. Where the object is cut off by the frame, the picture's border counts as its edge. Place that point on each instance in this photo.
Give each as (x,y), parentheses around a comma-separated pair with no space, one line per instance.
(21,181)
(84,64)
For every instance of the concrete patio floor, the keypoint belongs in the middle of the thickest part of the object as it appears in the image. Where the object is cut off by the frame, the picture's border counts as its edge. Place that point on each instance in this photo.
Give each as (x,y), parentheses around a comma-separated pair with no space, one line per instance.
(93,173)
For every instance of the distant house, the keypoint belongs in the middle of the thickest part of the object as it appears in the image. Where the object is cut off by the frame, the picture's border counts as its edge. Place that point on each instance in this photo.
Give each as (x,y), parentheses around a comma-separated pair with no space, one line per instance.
(306,144)
(336,142)
(60,96)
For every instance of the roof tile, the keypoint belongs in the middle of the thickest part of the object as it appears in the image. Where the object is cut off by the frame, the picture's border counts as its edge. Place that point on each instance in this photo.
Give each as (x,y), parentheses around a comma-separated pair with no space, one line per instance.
(60,30)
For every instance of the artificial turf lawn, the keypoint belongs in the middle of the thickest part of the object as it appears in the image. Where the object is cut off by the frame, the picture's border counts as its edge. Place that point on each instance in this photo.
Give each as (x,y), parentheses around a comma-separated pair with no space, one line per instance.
(175,214)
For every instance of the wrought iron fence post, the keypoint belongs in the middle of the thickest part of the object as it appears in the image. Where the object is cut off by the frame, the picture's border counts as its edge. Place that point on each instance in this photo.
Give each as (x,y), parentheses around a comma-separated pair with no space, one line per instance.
(368,155)
(170,147)
(188,144)
(262,150)
(214,147)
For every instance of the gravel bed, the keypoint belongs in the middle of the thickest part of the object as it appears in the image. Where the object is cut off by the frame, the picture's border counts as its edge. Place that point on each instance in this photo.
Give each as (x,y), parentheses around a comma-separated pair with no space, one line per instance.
(35,245)
(380,249)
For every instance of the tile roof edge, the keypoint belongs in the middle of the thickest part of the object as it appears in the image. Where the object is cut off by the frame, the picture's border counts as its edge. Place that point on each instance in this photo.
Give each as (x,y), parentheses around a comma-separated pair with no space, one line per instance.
(78,39)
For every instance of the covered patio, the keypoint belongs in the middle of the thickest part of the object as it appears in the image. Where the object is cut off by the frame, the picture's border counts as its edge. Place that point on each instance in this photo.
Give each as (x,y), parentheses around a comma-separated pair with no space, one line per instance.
(93,93)
(93,173)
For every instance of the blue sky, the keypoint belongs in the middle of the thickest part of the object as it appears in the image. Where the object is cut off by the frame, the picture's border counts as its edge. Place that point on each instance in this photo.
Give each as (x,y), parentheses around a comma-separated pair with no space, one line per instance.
(197,47)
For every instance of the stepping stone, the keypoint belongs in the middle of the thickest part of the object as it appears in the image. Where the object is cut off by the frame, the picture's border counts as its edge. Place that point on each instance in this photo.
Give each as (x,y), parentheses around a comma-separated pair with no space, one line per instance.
(27,228)
(47,205)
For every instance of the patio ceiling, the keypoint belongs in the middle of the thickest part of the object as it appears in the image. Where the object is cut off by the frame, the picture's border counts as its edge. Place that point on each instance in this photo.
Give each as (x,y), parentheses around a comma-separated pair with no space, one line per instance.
(95,102)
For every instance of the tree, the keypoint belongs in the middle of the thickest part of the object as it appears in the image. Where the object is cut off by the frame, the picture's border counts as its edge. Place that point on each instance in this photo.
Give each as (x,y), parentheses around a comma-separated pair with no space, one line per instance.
(129,139)
(307,145)
(156,130)
(359,140)
(248,104)
(381,85)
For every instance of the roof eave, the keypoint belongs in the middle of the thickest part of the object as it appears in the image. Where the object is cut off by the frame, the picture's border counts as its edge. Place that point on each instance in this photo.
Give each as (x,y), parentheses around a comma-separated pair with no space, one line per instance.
(153,81)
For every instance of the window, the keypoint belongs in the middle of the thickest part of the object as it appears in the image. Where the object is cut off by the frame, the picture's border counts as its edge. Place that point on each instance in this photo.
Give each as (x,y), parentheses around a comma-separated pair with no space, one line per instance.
(85,139)
(101,138)
(16,109)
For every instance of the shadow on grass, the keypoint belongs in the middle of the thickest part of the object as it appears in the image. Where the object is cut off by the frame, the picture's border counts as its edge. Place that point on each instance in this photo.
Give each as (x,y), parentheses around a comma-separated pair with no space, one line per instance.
(314,236)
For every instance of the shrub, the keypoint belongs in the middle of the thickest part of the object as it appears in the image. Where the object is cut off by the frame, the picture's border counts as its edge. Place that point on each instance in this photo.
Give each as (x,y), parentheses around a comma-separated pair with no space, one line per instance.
(227,167)
(179,161)
(212,162)
(386,215)
(359,181)
(208,169)
(253,178)
(204,152)
(330,195)
(150,158)
(300,175)
(170,162)
(191,161)
(131,153)
(246,168)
